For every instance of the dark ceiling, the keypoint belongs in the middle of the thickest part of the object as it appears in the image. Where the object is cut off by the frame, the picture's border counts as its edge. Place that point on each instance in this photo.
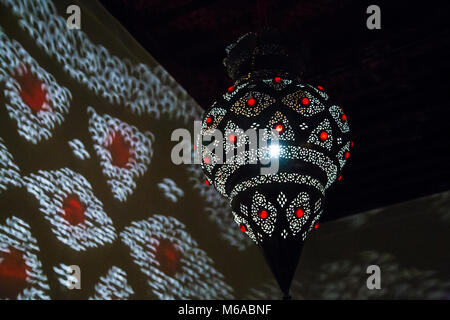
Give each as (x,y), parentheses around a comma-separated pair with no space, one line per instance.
(393,83)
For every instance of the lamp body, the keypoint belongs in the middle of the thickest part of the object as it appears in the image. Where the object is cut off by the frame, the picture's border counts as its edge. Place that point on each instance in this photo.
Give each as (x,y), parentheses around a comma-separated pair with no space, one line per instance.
(275,183)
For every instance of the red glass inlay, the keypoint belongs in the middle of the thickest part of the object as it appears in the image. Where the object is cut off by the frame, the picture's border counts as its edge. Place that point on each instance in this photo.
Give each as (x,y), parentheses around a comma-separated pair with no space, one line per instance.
(263,214)
(279,128)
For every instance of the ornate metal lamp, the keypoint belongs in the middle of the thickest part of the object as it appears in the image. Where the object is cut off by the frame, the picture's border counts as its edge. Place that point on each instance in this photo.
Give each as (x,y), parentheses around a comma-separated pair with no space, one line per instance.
(298,127)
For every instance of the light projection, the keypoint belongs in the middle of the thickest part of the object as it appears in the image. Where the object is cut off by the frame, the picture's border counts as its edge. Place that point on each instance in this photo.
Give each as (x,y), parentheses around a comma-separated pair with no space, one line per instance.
(140,88)
(9,171)
(34,99)
(21,275)
(300,130)
(68,203)
(170,190)
(78,149)
(124,152)
(113,286)
(64,187)
(334,279)
(170,258)
(217,209)
(136,86)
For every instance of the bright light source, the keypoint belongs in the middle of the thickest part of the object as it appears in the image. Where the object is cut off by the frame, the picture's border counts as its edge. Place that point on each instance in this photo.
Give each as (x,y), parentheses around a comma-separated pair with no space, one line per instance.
(274,151)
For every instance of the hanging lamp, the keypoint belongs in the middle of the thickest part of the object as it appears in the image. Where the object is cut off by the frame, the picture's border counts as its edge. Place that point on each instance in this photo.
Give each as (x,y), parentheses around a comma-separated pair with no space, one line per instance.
(297,126)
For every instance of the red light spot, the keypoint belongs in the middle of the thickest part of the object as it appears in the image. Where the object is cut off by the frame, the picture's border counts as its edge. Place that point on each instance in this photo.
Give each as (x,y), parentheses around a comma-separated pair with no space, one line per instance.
(305,101)
(74,210)
(323,136)
(243,228)
(316,226)
(207,182)
(230,89)
(340,177)
(320,88)
(208,120)
(351,144)
(279,128)
(263,214)
(299,212)
(251,102)
(277,79)
(193,147)
(168,257)
(347,155)
(120,150)
(31,91)
(206,160)
(13,273)
(344,117)
(232,138)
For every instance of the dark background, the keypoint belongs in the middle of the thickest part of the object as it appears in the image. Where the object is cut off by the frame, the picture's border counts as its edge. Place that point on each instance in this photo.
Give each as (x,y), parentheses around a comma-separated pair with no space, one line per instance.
(393,83)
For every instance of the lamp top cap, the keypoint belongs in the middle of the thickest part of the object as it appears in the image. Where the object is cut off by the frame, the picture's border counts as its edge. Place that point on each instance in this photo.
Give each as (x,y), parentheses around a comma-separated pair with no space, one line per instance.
(268,51)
